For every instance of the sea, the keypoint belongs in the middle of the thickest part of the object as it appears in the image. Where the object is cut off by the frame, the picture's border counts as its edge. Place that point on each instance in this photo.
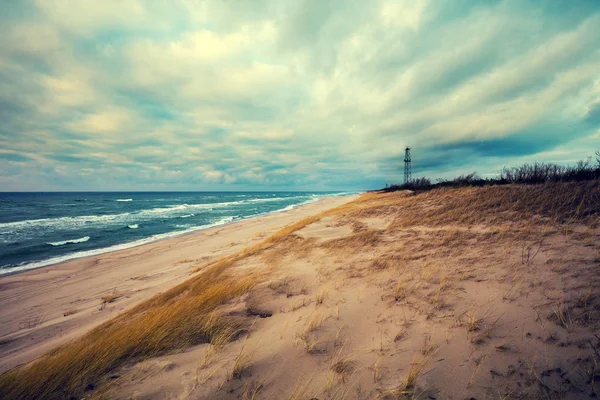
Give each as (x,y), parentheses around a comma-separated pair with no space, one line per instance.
(40,229)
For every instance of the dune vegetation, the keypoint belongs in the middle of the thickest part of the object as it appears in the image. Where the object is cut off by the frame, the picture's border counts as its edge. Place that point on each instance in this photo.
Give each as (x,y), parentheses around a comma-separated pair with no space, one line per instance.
(535,173)
(476,291)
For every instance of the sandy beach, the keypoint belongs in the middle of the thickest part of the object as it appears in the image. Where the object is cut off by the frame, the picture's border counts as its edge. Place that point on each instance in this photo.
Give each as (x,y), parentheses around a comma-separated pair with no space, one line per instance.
(46,307)
(445,294)
(299,200)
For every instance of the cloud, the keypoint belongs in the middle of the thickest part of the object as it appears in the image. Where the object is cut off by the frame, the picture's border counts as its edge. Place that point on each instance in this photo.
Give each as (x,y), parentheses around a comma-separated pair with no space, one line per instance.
(9,156)
(223,95)
(107,121)
(592,115)
(32,38)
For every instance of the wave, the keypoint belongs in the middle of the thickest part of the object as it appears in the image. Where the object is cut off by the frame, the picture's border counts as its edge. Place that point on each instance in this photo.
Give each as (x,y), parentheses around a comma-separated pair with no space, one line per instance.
(122,246)
(225,220)
(290,207)
(269,199)
(181,207)
(6,269)
(134,217)
(124,200)
(47,222)
(73,222)
(80,240)
(202,206)
(133,226)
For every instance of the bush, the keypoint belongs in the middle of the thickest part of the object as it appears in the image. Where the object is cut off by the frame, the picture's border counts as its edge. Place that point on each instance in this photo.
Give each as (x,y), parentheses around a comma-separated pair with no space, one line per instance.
(542,172)
(535,173)
(415,184)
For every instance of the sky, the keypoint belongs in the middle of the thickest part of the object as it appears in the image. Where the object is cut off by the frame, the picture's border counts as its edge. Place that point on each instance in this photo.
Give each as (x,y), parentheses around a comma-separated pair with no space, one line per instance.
(290,95)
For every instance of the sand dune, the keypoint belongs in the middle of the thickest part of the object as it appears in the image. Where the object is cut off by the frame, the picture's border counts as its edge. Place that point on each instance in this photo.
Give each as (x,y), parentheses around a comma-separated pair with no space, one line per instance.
(450,294)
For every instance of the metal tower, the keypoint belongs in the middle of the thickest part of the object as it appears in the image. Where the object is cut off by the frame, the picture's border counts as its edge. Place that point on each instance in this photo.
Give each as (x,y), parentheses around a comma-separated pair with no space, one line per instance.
(407,165)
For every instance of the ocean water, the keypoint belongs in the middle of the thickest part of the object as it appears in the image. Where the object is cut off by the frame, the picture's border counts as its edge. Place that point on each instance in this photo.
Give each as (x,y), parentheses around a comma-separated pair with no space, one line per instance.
(39,229)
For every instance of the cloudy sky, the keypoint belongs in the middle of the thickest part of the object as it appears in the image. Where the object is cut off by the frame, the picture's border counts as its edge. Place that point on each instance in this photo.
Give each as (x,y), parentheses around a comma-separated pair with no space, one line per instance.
(291,95)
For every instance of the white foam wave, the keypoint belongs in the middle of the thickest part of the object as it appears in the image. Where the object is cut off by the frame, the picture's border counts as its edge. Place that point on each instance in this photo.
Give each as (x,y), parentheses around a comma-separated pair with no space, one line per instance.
(88,253)
(186,215)
(133,226)
(225,220)
(222,221)
(80,240)
(124,200)
(51,222)
(83,220)
(266,200)
(210,206)
(12,228)
(290,207)
(179,207)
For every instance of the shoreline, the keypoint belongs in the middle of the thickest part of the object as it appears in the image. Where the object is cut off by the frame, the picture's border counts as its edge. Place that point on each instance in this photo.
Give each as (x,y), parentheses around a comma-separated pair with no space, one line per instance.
(47,306)
(52,261)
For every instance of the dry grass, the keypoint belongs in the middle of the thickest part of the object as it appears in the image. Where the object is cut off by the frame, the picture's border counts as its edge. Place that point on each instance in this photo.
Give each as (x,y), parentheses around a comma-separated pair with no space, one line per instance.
(242,365)
(252,390)
(307,336)
(381,264)
(400,291)
(315,347)
(302,389)
(428,271)
(180,317)
(110,298)
(322,295)
(282,286)
(440,296)
(560,315)
(140,278)
(473,323)
(363,239)
(254,307)
(376,370)
(343,367)
(415,370)
(188,313)
(299,303)
(557,202)
(312,346)
(401,335)
(287,233)
(408,386)
(315,322)
(219,331)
